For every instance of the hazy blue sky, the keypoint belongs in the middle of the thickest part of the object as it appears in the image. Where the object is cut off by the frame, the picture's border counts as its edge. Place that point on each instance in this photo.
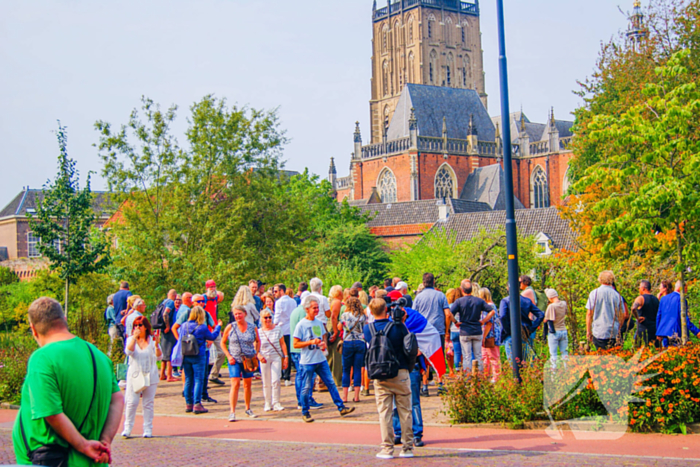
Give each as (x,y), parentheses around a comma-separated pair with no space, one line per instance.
(80,61)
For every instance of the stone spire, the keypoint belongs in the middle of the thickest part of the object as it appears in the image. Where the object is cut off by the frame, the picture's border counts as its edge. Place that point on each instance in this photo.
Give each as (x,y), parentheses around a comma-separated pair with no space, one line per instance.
(553,132)
(444,135)
(357,139)
(471,130)
(472,137)
(332,174)
(636,32)
(413,129)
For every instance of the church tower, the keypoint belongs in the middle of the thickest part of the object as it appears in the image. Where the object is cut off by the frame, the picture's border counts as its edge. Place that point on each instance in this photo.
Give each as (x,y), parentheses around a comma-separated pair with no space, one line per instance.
(431,42)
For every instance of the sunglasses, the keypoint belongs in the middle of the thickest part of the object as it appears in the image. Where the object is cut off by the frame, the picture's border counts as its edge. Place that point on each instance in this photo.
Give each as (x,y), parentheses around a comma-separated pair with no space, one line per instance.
(267,317)
(199,301)
(138,325)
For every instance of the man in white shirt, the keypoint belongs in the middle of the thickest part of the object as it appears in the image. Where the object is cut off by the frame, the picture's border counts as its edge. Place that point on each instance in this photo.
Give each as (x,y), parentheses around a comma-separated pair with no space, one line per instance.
(324,308)
(284,306)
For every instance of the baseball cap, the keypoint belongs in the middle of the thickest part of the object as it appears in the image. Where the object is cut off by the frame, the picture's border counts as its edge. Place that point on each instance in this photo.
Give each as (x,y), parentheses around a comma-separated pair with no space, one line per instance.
(261,283)
(210,284)
(357,285)
(395,295)
(401,285)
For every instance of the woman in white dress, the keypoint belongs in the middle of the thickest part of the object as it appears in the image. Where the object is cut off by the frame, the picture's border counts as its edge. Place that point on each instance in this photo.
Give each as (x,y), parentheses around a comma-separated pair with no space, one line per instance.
(144,351)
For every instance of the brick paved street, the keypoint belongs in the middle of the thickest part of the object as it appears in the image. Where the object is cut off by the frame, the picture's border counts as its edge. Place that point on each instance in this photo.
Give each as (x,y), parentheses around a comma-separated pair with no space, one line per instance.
(175,452)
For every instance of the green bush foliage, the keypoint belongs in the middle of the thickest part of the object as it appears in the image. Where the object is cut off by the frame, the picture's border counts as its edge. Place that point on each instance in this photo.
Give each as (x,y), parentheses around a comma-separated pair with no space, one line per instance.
(15,349)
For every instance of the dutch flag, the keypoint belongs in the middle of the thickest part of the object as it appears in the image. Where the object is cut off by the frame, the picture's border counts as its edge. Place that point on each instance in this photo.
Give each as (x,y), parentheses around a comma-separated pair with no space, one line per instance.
(428,339)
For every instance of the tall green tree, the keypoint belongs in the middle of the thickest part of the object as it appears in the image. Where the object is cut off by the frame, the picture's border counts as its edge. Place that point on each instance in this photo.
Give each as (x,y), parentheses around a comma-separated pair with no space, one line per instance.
(65,224)
(649,169)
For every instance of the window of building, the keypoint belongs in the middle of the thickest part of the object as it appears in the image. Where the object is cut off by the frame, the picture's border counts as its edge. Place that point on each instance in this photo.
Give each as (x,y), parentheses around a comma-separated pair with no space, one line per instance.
(385,77)
(32,246)
(397,35)
(433,66)
(385,38)
(540,189)
(465,25)
(445,182)
(448,70)
(431,26)
(448,31)
(387,186)
(466,71)
(410,29)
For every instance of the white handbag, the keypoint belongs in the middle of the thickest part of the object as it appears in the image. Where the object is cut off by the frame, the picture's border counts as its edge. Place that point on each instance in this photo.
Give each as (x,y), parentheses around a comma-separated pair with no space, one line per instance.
(140,380)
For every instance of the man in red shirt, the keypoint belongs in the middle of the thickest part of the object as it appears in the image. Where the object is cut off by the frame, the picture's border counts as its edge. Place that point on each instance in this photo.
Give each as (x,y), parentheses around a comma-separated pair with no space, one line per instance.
(211,306)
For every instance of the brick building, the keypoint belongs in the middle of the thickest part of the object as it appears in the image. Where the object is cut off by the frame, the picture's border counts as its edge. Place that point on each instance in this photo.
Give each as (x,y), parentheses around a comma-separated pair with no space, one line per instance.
(431,134)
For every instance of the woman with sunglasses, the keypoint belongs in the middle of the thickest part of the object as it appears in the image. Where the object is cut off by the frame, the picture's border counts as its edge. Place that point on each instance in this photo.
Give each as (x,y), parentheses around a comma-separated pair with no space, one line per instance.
(195,366)
(273,359)
(144,351)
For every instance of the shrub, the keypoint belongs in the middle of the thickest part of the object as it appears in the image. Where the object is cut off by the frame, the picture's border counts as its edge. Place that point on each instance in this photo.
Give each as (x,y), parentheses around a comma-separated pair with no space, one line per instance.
(15,350)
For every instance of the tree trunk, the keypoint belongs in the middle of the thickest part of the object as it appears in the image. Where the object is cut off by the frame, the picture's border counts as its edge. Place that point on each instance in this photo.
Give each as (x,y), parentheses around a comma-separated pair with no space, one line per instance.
(684,307)
(65,301)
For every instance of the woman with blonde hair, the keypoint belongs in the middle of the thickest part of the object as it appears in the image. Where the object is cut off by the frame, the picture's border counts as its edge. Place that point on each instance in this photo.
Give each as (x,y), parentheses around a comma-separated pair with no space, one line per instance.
(364,298)
(491,348)
(268,304)
(195,366)
(274,357)
(455,360)
(336,297)
(244,298)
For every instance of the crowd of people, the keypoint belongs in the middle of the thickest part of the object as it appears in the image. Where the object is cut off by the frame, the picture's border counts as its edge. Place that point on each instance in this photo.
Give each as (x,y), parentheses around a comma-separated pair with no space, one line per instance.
(383,339)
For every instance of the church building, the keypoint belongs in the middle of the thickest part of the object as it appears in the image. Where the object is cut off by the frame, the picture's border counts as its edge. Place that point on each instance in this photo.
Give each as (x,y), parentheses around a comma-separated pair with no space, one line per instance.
(432,141)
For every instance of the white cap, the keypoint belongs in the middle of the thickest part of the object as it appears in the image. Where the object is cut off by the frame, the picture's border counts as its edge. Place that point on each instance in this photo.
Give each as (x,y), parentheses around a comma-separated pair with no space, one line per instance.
(401,286)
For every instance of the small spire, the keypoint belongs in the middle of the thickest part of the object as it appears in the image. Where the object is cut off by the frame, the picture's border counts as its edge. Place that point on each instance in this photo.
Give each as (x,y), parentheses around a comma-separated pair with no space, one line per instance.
(471,131)
(498,131)
(332,170)
(357,135)
(444,127)
(412,121)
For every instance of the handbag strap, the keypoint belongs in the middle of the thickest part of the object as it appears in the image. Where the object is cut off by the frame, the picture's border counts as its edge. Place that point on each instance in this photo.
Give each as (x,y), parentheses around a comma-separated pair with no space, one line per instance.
(92,399)
(273,346)
(235,330)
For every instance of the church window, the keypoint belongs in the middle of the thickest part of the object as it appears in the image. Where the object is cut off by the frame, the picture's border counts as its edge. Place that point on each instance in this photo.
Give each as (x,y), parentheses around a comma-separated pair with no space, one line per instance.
(431,26)
(411,64)
(410,29)
(540,189)
(464,77)
(448,70)
(385,38)
(448,31)
(433,66)
(445,182)
(387,186)
(385,77)
(397,35)
(465,27)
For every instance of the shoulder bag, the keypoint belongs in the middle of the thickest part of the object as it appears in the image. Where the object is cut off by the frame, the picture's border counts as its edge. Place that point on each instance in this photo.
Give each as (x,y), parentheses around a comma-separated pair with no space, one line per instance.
(250,364)
(55,455)
(140,380)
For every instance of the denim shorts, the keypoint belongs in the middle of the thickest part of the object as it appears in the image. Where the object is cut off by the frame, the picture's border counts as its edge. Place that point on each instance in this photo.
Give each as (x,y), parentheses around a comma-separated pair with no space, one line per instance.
(237,371)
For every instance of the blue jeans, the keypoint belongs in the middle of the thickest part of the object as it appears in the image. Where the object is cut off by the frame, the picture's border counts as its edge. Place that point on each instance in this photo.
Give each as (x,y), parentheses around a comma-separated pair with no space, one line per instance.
(195,377)
(417,412)
(558,341)
(299,378)
(324,372)
(457,349)
(353,359)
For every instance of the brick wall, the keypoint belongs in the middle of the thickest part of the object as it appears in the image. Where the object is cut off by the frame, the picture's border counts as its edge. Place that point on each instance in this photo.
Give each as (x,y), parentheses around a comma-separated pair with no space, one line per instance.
(8,237)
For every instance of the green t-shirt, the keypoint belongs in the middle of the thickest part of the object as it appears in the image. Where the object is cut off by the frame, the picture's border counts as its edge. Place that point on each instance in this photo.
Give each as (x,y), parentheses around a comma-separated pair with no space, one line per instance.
(60,380)
(297,315)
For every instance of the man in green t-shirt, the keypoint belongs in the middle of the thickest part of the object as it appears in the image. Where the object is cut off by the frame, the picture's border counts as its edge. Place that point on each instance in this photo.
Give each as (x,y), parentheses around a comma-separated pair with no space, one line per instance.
(69,384)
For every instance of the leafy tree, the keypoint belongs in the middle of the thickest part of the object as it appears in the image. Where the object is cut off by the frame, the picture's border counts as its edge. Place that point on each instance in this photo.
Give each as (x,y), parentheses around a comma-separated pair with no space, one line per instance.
(649,169)
(7,276)
(65,221)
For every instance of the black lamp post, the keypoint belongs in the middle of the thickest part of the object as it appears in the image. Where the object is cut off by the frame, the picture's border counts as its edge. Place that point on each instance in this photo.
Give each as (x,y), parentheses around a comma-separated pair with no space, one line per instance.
(511,229)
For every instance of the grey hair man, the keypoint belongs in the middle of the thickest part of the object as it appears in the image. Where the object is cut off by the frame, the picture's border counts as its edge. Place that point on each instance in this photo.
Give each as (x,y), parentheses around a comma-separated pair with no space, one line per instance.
(324,307)
(71,404)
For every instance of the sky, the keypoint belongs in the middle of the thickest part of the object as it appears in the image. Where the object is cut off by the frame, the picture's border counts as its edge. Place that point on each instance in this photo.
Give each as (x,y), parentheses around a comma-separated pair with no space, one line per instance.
(80,61)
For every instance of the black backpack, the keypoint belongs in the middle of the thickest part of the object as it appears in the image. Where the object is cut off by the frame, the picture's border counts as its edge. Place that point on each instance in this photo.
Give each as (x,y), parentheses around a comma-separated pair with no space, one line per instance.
(190,346)
(158,317)
(380,359)
(410,349)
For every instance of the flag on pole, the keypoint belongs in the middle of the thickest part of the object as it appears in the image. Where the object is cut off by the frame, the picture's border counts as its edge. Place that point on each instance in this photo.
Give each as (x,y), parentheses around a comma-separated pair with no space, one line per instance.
(428,340)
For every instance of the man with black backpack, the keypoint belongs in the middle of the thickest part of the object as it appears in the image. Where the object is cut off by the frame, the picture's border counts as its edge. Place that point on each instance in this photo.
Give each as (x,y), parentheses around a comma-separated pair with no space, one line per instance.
(387,364)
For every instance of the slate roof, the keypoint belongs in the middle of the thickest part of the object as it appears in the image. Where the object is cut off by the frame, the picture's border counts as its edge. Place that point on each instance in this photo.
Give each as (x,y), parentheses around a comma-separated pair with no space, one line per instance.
(410,212)
(535,131)
(461,205)
(486,185)
(529,222)
(431,104)
(26,202)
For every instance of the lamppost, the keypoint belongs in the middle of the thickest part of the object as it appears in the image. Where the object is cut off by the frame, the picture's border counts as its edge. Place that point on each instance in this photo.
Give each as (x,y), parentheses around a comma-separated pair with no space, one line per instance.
(511,230)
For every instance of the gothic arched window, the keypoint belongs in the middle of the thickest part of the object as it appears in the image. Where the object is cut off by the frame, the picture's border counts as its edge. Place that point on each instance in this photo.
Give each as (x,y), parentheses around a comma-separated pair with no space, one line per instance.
(448,70)
(411,64)
(385,77)
(465,25)
(433,66)
(445,182)
(385,38)
(397,35)
(410,29)
(387,186)
(431,26)
(448,31)
(539,193)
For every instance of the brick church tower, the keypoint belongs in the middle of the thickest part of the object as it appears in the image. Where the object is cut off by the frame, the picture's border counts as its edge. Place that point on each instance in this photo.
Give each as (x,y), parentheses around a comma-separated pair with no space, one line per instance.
(431,42)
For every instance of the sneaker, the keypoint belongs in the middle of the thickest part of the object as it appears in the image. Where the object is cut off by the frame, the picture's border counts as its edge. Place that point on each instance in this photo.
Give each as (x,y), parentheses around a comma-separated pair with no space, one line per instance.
(148,435)
(267,408)
(441,390)
(217,381)
(365,392)
(210,400)
(177,374)
(278,407)
(418,442)
(232,417)
(424,392)
(307,418)
(250,413)
(126,435)
(385,455)
(189,408)
(406,454)
(347,411)
(298,407)
(199,409)
(313,405)
(287,383)
(397,440)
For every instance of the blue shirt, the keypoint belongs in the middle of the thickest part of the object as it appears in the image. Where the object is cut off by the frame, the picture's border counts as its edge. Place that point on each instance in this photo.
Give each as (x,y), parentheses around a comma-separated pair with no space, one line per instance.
(395,336)
(258,303)
(110,316)
(668,319)
(201,333)
(184,315)
(119,301)
(308,330)
(169,305)
(526,307)
(470,309)
(432,304)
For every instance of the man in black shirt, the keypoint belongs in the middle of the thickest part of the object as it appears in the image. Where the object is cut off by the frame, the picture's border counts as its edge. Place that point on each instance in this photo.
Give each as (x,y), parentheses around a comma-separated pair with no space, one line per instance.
(470,309)
(392,391)
(645,308)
